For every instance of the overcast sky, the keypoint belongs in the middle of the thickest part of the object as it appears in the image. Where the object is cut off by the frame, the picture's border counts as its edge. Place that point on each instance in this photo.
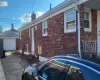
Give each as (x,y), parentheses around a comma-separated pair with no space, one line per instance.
(19,11)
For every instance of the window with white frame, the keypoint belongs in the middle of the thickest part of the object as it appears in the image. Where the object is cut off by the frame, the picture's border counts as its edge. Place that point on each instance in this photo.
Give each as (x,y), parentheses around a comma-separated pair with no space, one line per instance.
(87,20)
(70,21)
(44,28)
(35,27)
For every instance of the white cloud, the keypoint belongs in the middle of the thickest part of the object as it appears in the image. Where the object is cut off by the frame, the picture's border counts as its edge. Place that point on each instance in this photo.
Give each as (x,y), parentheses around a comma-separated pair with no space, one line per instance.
(5,29)
(25,18)
(38,13)
(3,3)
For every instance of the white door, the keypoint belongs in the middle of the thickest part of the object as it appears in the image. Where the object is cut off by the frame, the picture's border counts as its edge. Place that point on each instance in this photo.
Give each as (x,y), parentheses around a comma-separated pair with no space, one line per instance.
(98,33)
(33,45)
(9,44)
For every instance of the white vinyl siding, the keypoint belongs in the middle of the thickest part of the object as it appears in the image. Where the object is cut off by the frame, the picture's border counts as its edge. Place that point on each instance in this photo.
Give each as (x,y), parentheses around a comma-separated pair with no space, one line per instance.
(44,28)
(70,21)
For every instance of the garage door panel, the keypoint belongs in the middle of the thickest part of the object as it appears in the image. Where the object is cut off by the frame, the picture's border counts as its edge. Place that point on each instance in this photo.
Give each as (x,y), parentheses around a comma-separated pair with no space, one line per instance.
(9,44)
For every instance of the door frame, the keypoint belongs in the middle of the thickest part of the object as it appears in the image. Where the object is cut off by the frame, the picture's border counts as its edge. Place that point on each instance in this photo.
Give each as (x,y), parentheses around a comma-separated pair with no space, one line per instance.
(98,26)
(33,42)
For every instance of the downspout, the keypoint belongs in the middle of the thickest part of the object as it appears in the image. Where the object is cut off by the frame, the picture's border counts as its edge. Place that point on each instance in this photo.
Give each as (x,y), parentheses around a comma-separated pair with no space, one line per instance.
(78,27)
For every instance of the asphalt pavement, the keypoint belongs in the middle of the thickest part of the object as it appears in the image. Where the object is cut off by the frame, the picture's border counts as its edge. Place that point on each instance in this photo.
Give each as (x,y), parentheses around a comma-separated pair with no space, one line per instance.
(13,66)
(2,75)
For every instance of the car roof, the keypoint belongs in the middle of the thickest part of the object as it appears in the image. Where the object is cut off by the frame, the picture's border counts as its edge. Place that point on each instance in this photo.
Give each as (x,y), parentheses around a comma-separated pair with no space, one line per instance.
(88,63)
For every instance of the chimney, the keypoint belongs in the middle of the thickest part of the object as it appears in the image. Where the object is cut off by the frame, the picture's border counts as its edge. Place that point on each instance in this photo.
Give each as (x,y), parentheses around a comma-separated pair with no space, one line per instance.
(50,6)
(33,16)
(12,26)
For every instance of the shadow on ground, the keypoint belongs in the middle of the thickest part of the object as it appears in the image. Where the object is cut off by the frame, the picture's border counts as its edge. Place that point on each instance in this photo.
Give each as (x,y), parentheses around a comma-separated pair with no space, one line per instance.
(14,64)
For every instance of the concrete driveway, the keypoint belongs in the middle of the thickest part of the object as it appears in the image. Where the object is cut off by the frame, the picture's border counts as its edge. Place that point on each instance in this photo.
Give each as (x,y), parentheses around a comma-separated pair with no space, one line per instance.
(2,76)
(13,66)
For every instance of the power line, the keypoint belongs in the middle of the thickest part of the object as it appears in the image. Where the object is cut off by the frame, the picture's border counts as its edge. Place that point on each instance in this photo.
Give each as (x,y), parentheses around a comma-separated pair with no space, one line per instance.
(3,19)
(7,21)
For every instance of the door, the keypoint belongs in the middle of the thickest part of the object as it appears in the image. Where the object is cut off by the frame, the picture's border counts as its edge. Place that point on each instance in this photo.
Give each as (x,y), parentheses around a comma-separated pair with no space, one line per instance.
(9,44)
(98,33)
(33,44)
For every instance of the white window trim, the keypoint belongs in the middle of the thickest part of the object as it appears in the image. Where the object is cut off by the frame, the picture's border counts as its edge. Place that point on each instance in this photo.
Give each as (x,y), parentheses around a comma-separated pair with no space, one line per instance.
(65,29)
(90,20)
(44,22)
(35,27)
(29,32)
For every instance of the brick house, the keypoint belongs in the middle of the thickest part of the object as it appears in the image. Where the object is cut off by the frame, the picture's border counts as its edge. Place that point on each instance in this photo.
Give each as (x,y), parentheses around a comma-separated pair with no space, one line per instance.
(64,29)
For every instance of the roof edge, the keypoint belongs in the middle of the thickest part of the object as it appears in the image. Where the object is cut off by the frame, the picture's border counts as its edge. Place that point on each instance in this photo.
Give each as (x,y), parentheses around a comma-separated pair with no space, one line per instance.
(51,12)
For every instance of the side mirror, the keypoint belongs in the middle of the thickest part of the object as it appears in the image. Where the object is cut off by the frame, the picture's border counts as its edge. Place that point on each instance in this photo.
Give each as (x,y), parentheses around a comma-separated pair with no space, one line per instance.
(31,70)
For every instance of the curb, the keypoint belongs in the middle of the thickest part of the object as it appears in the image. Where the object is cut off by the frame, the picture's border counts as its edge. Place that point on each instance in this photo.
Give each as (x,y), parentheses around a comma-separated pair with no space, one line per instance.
(2,75)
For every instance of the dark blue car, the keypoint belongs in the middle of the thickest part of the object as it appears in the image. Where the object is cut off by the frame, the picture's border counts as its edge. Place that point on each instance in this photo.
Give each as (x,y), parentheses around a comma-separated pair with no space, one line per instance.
(68,68)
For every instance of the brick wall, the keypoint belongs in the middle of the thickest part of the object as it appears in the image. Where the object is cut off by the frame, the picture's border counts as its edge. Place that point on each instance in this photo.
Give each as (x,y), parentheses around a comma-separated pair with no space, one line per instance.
(27,41)
(57,41)
(17,44)
(89,35)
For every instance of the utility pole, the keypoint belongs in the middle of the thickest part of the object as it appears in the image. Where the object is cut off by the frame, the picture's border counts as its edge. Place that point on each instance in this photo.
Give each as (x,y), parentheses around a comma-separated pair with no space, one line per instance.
(79,33)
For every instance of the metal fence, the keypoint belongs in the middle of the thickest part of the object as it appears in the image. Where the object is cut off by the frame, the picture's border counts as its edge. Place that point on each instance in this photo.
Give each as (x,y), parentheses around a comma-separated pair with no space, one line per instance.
(89,46)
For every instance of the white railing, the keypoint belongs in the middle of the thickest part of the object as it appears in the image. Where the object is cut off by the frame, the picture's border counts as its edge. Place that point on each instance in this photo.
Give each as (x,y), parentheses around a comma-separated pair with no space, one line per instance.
(89,46)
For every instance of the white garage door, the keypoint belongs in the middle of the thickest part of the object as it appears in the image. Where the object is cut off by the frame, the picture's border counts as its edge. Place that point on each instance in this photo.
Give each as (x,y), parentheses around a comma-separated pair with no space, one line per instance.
(9,44)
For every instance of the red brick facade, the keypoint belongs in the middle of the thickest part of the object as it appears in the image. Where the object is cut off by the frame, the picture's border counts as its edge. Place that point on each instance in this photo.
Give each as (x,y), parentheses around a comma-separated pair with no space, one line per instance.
(89,35)
(27,42)
(57,41)
(17,44)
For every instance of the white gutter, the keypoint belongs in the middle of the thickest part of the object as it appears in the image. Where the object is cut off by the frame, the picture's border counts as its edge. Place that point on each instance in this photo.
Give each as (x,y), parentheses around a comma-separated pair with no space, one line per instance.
(79,34)
(79,26)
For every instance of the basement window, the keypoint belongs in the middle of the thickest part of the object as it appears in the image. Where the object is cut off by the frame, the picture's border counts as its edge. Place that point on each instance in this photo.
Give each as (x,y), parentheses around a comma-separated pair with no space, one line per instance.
(87,20)
(44,28)
(70,21)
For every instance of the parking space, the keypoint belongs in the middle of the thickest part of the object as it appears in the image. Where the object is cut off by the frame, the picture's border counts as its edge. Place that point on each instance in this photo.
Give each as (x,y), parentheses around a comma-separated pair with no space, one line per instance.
(2,75)
(13,66)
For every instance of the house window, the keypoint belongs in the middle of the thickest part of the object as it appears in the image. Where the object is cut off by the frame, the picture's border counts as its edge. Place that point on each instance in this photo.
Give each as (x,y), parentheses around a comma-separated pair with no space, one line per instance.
(87,20)
(44,28)
(35,27)
(70,21)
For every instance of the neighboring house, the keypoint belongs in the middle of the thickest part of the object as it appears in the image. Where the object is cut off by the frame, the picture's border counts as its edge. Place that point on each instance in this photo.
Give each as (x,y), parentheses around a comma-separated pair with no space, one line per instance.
(10,39)
(63,29)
